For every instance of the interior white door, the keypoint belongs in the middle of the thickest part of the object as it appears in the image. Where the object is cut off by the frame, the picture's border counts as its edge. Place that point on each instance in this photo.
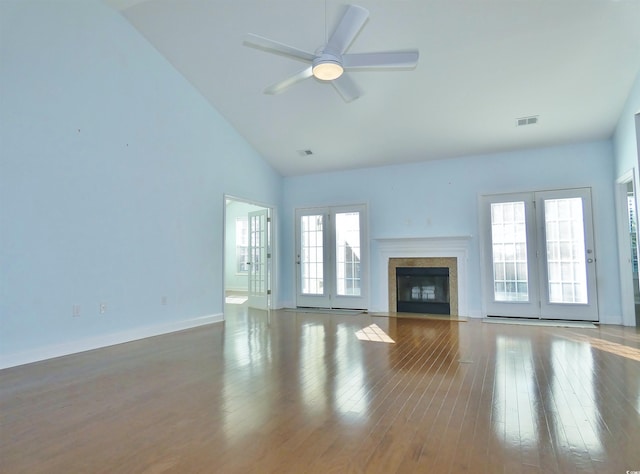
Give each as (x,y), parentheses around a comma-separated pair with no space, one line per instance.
(538,255)
(258,271)
(332,257)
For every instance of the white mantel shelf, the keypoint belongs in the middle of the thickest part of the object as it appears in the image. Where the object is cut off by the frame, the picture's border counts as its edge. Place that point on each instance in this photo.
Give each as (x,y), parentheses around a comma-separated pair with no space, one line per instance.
(447,246)
(400,243)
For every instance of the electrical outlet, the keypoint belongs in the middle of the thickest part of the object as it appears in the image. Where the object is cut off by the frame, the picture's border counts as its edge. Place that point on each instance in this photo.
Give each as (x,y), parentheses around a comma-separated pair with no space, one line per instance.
(75,310)
(103,308)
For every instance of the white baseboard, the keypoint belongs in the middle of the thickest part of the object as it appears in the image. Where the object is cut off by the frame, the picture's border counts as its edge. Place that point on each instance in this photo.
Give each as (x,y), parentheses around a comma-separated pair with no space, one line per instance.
(87,344)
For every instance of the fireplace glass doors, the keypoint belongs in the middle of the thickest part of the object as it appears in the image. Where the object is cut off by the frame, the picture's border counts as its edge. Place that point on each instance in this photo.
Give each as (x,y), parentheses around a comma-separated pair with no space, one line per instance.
(423,290)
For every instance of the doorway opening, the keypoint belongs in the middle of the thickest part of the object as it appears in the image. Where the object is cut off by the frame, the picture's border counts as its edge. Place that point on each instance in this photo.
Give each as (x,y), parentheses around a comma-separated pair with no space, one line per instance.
(248,254)
(626,203)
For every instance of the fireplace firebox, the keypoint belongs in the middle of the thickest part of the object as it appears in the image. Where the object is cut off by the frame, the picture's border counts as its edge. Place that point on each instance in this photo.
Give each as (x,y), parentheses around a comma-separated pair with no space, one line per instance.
(423,290)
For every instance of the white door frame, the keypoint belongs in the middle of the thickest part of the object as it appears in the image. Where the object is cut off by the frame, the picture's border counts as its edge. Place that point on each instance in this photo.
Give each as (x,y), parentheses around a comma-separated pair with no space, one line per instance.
(273,278)
(624,246)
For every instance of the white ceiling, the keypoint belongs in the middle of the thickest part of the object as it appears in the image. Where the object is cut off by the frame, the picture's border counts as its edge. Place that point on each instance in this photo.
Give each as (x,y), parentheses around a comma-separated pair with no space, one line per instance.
(483,63)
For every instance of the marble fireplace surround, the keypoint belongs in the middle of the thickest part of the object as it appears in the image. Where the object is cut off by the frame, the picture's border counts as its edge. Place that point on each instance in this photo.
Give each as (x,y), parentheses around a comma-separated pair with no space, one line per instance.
(429,251)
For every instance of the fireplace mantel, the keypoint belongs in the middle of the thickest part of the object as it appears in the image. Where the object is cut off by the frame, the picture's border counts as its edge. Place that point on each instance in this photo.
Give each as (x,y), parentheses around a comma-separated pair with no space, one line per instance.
(448,246)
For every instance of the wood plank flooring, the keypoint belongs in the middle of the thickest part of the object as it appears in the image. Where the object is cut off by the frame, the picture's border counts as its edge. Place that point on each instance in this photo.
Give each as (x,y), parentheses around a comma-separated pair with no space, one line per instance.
(303,392)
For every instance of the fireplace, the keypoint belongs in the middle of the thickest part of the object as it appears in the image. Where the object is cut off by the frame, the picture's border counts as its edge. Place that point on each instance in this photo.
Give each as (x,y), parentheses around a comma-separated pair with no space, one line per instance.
(423,285)
(422,290)
(441,251)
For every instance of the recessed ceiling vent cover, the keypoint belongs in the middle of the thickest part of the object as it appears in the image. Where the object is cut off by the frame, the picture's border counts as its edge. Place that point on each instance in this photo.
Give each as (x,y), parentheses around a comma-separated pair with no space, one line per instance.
(523,121)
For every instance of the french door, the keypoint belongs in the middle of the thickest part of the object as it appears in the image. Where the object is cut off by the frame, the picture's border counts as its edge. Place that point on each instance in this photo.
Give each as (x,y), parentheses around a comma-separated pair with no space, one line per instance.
(331,257)
(259,256)
(538,255)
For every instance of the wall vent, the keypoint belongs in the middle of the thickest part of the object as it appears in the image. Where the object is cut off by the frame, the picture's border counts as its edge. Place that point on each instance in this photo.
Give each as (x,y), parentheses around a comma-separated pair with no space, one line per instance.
(523,121)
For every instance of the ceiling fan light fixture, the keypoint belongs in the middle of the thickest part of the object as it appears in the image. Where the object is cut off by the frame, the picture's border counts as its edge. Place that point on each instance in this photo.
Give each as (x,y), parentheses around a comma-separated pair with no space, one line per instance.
(327,70)
(327,67)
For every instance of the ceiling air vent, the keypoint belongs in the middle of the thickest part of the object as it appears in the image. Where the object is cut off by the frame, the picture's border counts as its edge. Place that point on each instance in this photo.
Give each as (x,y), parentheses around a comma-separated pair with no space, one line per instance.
(523,121)
(305,152)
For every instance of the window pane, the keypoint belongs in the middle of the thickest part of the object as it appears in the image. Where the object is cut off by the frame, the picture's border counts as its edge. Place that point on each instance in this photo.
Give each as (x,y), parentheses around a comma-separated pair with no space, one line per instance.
(509,238)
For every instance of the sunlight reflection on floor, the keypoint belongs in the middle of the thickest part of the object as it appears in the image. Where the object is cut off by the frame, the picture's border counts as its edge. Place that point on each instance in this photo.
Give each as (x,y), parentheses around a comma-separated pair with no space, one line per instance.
(608,346)
(235,299)
(374,333)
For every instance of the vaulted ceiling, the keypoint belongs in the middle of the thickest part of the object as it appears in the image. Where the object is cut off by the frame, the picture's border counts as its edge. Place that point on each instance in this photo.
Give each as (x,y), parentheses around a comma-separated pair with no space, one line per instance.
(483,64)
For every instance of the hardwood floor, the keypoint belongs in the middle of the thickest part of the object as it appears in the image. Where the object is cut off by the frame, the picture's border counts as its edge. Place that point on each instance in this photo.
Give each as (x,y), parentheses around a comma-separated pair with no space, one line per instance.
(303,392)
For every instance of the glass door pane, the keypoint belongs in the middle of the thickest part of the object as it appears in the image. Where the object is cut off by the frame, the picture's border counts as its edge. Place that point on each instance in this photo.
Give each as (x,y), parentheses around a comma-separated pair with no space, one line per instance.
(509,250)
(348,253)
(312,254)
(567,275)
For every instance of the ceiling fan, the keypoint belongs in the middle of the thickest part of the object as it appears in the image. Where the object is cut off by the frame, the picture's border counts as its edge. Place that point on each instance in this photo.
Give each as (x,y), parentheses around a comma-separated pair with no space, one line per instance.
(330,61)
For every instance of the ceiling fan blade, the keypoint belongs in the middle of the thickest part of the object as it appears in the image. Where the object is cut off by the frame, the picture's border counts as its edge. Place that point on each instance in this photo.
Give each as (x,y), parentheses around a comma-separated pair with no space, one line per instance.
(283,85)
(351,23)
(346,88)
(275,47)
(392,59)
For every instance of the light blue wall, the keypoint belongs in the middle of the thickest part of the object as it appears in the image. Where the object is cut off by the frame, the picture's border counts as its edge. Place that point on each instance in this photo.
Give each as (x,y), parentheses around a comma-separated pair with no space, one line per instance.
(112,175)
(624,138)
(440,198)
